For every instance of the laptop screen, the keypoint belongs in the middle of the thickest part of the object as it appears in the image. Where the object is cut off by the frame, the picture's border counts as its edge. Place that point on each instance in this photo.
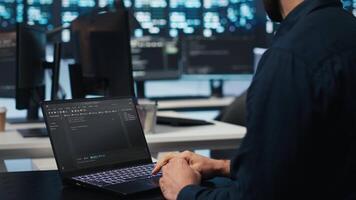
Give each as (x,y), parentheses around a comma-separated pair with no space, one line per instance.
(94,133)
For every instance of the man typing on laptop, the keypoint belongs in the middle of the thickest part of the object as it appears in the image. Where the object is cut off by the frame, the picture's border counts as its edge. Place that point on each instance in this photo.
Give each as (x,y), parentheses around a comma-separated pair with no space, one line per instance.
(300,141)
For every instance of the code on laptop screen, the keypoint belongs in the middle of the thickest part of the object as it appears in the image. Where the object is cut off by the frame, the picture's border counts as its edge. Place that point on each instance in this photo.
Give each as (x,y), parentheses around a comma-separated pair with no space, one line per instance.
(95,133)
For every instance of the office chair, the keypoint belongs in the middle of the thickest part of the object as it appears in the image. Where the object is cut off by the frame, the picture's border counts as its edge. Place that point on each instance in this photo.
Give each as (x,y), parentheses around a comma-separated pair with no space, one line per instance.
(235,113)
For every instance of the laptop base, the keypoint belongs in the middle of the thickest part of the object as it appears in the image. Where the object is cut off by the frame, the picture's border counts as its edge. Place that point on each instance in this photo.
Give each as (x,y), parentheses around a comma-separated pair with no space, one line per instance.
(134,187)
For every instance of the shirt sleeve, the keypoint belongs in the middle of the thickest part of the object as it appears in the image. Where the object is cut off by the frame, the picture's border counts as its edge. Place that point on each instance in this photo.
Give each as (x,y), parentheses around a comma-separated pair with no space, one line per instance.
(278,113)
(193,192)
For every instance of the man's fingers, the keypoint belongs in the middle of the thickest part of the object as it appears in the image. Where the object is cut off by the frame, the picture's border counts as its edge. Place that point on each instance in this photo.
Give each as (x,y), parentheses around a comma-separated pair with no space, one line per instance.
(160,164)
(185,155)
(163,162)
(158,167)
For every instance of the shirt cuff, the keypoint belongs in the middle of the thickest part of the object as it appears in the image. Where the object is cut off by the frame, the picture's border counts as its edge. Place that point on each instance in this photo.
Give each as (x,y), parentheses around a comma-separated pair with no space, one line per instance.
(190,192)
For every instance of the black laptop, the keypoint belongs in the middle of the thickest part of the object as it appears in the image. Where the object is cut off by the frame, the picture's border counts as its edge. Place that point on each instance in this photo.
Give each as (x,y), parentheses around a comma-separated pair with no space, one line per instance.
(99,143)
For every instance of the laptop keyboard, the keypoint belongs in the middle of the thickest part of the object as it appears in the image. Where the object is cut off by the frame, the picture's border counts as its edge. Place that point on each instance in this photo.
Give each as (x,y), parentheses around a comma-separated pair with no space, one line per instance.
(118,176)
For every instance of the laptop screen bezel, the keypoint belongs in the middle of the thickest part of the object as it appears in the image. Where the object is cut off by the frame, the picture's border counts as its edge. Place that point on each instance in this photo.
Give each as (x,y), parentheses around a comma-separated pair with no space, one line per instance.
(77,172)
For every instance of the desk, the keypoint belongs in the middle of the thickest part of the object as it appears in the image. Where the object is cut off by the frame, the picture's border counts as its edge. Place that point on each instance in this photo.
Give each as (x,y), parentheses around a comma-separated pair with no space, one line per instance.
(44,185)
(168,138)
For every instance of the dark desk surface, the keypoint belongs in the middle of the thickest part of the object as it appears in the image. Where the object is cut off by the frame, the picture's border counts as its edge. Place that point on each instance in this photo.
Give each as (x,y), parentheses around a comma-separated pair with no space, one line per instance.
(47,185)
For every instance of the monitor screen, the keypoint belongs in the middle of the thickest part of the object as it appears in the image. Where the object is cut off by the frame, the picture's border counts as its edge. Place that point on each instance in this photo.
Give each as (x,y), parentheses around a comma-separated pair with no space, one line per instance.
(155,59)
(156,17)
(7,64)
(164,20)
(10,13)
(41,13)
(95,133)
(193,17)
(197,24)
(218,56)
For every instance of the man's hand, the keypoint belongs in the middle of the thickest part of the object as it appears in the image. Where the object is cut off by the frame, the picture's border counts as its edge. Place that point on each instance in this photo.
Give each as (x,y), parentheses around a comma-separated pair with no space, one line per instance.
(177,174)
(207,167)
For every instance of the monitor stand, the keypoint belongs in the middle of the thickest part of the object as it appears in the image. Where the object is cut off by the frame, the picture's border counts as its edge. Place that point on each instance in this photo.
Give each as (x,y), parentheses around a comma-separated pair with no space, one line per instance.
(32,117)
(33,132)
(24,121)
(217,88)
(140,88)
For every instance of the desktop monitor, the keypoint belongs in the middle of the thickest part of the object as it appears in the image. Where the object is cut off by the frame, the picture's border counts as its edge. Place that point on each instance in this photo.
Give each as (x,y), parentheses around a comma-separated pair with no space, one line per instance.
(30,57)
(155,59)
(102,55)
(194,23)
(214,56)
(218,59)
(7,64)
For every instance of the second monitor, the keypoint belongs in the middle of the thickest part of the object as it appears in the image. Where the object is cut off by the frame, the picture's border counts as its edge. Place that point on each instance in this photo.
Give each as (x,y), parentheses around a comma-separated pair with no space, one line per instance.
(30,59)
(155,58)
(103,55)
(218,56)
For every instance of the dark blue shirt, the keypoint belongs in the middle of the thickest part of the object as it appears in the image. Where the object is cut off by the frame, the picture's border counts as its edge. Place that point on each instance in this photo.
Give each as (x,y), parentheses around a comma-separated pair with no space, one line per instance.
(301,106)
